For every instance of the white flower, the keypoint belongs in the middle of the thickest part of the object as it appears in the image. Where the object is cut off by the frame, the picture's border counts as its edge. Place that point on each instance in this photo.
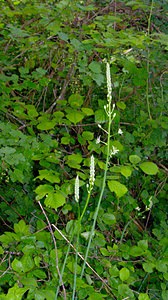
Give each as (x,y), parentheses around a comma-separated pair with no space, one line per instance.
(120,131)
(109,89)
(98,140)
(113,151)
(77,189)
(92,171)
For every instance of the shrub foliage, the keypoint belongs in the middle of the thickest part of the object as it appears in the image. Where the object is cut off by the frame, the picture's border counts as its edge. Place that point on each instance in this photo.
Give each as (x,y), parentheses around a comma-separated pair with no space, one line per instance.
(54,119)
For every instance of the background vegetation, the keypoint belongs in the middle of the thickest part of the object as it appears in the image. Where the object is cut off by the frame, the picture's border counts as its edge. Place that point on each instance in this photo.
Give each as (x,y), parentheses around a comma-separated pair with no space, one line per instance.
(53,91)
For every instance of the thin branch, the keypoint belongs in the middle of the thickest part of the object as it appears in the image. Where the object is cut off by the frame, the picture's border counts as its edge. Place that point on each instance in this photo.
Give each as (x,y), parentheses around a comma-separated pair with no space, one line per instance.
(89,266)
(55,246)
(65,85)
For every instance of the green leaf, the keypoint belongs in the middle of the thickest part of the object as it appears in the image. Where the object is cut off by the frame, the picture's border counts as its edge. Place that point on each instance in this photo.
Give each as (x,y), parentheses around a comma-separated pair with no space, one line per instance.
(29,282)
(49,175)
(96,296)
(43,190)
(65,140)
(104,252)
(75,116)
(101,164)
(143,244)
(1,250)
(55,200)
(16,292)
(28,249)
(87,135)
(75,100)
(7,151)
(165,293)
(121,105)
(39,274)
(99,78)
(136,251)
(17,266)
(54,27)
(87,111)
(17,175)
(125,291)
(118,188)
(58,115)
(134,159)
(88,279)
(126,171)
(9,237)
(27,263)
(143,296)
(86,8)
(149,168)
(40,72)
(117,145)
(114,271)
(161,265)
(71,266)
(32,112)
(21,227)
(76,44)
(45,123)
(100,116)
(74,161)
(124,274)
(95,67)
(63,36)
(108,219)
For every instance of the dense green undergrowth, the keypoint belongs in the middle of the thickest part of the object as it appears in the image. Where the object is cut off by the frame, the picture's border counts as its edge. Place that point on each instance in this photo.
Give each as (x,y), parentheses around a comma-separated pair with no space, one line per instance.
(53,95)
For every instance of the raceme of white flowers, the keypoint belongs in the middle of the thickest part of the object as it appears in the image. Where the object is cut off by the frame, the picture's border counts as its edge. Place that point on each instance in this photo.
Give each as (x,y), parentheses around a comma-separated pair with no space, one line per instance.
(77,189)
(114,150)
(91,179)
(109,89)
(108,110)
(92,171)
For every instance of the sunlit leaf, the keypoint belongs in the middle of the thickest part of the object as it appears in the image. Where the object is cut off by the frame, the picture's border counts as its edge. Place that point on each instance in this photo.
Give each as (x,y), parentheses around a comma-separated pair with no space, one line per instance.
(43,190)
(134,159)
(75,117)
(75,100)
(55,200)
(124,274)
(149,168)
(118,188)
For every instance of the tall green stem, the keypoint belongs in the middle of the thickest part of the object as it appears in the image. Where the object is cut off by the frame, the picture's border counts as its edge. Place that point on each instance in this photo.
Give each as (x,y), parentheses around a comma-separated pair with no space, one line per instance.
(109,112)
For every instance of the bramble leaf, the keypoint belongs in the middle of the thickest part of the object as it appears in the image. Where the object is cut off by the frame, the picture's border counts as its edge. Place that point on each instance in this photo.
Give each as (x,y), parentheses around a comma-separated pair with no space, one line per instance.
(118,188)
(149,168)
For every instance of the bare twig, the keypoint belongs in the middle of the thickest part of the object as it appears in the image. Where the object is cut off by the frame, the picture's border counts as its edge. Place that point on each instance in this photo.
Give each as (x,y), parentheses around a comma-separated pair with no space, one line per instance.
(89,266)
(55,246)
(63,91)
(29,22)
